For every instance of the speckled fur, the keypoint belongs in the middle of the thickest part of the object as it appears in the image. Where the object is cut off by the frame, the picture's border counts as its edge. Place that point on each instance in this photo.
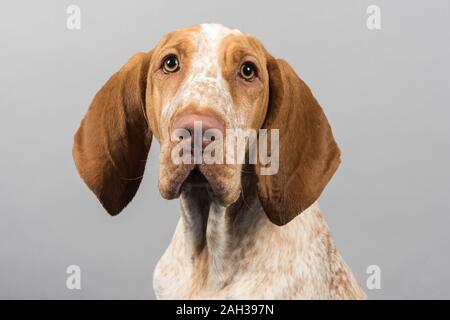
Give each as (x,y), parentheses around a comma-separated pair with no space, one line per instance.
(237,253)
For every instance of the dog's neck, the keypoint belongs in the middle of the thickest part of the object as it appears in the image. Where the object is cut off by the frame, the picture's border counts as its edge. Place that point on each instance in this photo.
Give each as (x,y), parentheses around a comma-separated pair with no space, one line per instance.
(236,251)
(217,236)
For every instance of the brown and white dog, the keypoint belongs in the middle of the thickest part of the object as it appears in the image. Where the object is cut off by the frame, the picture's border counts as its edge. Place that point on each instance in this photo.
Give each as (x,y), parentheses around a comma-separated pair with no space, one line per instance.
(240,234)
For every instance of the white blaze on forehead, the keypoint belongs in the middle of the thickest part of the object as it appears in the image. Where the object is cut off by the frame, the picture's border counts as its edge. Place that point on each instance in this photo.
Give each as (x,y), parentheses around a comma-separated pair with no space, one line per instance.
(204,84)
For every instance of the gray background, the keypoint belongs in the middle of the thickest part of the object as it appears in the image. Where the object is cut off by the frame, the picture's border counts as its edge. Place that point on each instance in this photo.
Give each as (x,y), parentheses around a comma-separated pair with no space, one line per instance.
(385,93)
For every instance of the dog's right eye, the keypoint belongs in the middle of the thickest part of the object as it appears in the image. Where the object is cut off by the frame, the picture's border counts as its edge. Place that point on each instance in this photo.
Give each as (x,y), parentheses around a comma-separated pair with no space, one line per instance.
(171,64)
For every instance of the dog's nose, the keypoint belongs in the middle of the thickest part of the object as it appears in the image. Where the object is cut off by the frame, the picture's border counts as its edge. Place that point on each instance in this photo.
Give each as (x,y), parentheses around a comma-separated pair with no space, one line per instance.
(208,127)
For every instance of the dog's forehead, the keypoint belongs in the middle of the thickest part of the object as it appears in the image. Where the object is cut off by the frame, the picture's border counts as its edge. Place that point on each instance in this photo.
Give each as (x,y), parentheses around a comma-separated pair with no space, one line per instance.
(208,42)
(206,38)
(211,34)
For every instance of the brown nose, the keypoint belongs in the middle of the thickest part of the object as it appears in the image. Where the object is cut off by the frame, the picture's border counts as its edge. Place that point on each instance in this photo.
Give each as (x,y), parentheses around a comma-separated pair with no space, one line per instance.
(205,126)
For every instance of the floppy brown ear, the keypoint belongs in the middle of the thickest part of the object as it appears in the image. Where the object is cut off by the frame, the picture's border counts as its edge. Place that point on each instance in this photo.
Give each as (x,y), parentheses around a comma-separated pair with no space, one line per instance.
(308,153)
(111,146)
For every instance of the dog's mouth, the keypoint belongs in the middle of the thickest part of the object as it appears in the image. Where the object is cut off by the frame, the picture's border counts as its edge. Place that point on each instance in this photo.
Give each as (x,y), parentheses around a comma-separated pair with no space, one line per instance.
(220,182)
(195,179)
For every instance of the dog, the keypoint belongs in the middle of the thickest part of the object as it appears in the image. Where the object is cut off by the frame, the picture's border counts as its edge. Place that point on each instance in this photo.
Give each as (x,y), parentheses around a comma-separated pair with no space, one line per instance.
(241,234)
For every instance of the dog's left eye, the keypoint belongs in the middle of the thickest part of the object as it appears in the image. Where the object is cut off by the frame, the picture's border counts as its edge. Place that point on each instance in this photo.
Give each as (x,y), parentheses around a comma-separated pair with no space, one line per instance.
(171,64)
(247,71)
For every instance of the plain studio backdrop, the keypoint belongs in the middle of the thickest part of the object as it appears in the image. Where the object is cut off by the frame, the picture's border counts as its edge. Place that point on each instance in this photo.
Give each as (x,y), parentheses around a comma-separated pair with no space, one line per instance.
(385,92)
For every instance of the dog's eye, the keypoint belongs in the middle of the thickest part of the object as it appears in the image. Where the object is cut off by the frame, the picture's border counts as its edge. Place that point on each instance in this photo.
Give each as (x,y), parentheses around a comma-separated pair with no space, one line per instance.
(247,71)
(171,64)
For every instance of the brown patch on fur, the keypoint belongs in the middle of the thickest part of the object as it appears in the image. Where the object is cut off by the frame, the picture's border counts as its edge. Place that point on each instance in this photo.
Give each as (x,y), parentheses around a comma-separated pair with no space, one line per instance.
(111,145)
(309,156)
(163,86)
(250,98)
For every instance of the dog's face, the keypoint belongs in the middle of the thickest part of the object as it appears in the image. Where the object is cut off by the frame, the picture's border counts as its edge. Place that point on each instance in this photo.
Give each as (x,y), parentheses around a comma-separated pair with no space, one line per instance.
(226,80)
(205,71)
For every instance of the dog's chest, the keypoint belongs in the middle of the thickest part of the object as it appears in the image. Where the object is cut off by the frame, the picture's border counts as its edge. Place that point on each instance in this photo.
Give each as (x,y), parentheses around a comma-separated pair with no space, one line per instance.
(179,283)
(294,263)
(269,279)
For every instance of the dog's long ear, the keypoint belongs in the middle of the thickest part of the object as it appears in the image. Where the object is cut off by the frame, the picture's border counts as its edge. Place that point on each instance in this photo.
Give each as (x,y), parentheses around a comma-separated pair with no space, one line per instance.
(308,153)
(111,146)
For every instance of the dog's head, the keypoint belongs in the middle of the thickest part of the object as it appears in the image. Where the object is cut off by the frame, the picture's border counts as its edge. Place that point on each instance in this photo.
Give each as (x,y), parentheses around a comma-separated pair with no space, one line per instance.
(207,80)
